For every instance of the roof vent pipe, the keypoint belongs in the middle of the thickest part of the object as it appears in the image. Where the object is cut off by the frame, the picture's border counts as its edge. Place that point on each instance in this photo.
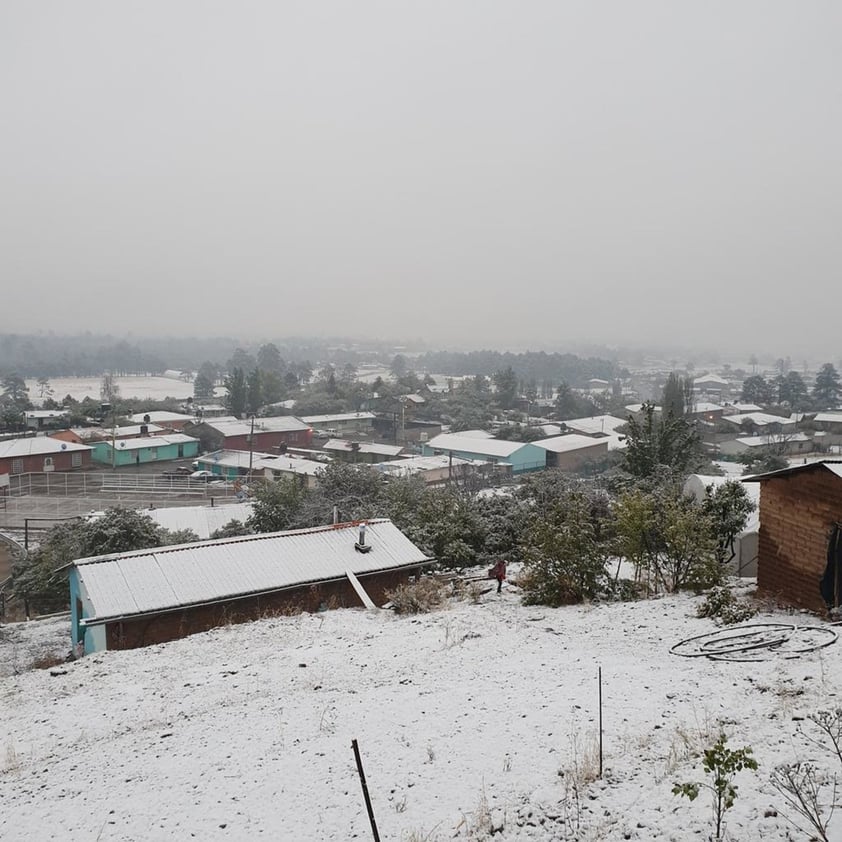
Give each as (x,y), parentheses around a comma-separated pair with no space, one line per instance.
(361,546)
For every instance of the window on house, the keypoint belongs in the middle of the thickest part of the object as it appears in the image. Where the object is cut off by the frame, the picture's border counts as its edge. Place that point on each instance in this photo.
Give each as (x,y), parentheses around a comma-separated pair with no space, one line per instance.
(75,460)
(17,466)
(48,462)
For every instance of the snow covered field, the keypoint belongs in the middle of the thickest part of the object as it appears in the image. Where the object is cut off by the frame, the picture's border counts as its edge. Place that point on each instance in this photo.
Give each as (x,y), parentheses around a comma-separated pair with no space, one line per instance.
(472,717)
(142,388)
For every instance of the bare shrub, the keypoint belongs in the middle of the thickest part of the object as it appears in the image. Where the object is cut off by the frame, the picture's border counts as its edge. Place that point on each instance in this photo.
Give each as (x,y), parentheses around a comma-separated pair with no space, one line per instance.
(801,785)
(419,597)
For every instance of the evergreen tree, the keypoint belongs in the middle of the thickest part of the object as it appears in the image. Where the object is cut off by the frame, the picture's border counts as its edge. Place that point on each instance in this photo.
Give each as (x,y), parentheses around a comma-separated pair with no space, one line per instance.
(237,397)
(826,389)
(757,390)
(254,392)
(505,380)
(677,396)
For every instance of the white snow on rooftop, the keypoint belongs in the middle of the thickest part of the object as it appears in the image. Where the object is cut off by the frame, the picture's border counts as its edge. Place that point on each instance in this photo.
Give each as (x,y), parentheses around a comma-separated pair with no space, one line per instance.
(572,441)
(36,446)
(170,577)
(203,520)
(466,444)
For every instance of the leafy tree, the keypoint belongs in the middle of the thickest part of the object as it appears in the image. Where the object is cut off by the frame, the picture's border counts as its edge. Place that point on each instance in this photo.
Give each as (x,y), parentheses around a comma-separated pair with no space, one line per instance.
(722,764)
(655,445)
(278,506)
(757,390)
(669,538)
(826,389)
(565,560)
(273,387)
(505,381)
(728,507)
(233,529)
(447,527)
(119,531)
(237,398)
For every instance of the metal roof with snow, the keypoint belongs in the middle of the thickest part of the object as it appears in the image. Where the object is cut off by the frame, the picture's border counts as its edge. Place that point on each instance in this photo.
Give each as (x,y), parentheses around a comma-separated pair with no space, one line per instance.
(483,447)
(159,416)
(169,578)
(152,441)
(834,466)
(345,446)
(572,441)
(595,424)
(37,446)
(203,520)
(316,420)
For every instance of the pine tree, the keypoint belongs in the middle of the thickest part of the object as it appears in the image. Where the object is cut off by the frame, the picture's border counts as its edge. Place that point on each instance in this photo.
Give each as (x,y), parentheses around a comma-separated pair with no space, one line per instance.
(826,389)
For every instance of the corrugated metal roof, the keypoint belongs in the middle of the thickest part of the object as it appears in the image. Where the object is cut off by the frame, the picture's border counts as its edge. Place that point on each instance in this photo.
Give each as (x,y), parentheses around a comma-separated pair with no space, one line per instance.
(159,416)
(345,416)
(345,446)
(834,467)
(572,441)
(482,447)
(36,446)
(166,578)
(595,424)
(203,520)
(152,441)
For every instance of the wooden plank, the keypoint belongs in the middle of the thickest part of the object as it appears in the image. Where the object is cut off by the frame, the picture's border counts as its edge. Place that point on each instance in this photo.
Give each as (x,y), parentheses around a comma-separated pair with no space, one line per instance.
(366,599)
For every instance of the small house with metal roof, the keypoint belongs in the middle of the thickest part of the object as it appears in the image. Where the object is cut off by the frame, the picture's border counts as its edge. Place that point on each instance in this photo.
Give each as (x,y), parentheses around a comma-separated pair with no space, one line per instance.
(521,456)
(140,451)
(134,599)
(42,454)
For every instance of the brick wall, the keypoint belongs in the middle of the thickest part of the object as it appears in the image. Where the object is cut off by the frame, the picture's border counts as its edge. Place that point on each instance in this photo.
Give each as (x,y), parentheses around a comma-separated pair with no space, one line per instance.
(796,515)
(131,634)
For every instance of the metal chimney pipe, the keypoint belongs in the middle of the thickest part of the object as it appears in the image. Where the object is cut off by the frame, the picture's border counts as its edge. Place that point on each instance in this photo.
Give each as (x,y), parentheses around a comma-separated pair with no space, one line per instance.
(362,535)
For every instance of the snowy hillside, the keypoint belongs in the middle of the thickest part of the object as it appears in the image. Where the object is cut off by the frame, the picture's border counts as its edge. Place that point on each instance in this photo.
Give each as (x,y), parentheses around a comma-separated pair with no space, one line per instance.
(470,719)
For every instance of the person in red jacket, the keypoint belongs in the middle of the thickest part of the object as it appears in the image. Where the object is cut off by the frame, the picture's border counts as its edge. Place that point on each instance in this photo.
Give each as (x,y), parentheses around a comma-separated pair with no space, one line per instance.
(500,574)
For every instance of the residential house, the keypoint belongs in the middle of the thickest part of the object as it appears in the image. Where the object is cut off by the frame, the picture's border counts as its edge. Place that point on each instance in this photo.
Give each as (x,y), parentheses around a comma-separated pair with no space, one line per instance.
(434,470)
(42,454)
(168,420)
(264,434)
(755,422)
(140,451)
(784,444)
(341,423)
(361,452)
(89,435)
(135,599)
(306,471)
(230,464)
(521,456)
(41,419)
(799,557)
(571,452)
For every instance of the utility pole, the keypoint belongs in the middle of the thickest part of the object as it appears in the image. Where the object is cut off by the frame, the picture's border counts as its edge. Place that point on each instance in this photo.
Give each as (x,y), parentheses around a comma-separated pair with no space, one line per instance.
(251,448)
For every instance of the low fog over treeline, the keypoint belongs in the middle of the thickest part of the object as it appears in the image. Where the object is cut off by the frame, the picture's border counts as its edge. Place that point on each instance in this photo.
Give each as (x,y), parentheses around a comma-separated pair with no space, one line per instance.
(91,355)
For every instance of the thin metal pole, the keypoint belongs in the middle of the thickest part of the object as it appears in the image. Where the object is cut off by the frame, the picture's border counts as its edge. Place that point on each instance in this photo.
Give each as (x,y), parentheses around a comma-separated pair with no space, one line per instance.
(365,790)
(600,722)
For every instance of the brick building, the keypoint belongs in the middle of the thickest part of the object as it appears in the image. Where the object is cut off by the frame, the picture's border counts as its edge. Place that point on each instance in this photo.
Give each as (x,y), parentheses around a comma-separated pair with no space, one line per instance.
(150,596)
(42,454)
(799,510)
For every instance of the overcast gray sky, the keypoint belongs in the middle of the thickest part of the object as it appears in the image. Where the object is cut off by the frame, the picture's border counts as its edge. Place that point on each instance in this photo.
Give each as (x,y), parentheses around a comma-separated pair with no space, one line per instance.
(474,173)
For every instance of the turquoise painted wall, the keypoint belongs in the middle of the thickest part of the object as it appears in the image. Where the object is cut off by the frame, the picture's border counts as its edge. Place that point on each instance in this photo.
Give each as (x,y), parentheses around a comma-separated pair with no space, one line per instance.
(159,453)
(524,459)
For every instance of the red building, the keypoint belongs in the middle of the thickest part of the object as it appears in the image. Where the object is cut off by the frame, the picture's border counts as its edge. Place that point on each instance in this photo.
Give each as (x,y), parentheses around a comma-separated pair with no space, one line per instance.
(42,454)
(267,435)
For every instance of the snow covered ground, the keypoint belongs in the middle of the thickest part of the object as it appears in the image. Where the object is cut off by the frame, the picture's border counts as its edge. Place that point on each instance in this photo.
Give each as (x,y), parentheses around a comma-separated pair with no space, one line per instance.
(141,388)
(473,717)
